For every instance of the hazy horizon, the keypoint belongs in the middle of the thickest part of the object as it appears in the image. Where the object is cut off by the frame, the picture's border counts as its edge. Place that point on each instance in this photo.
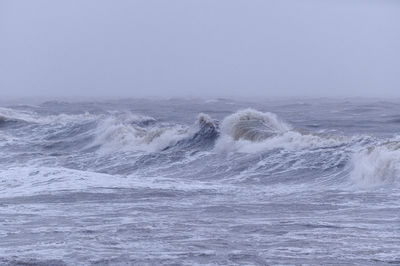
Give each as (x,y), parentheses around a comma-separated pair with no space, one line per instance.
(259,49)
(199,132)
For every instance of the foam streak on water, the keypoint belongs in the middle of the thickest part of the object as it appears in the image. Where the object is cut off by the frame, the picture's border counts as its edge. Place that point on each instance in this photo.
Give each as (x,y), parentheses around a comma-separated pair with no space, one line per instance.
(187,182)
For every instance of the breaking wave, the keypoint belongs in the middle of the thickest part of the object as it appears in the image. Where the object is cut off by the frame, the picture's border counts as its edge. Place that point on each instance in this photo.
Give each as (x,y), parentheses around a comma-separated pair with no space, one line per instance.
(253,125)
(377,165)
(246,131)
(251,131)
(280,147)
(113,135)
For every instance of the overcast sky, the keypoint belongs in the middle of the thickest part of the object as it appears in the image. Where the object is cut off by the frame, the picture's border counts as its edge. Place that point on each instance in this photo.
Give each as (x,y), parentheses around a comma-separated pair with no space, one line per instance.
(206,48)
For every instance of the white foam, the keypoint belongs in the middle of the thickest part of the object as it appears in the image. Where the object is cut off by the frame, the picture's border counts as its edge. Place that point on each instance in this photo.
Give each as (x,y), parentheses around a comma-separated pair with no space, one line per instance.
(36,180)
(112,135)
(204,119)
(376,166)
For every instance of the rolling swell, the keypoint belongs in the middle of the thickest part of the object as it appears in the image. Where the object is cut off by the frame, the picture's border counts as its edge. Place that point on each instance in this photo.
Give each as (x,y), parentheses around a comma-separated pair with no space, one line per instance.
(127,131)
(146,142)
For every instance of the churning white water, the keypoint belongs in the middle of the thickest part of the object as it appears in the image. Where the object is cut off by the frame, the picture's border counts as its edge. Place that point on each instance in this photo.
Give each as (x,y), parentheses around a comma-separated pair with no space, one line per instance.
(187,182)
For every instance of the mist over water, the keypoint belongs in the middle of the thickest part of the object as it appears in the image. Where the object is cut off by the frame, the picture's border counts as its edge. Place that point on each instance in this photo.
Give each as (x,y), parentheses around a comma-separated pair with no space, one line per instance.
(229,132)
(144,182)
(263,48)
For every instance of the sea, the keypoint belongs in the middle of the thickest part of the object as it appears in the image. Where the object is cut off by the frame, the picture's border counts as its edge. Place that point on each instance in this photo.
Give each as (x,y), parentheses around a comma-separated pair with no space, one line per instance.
(187,181)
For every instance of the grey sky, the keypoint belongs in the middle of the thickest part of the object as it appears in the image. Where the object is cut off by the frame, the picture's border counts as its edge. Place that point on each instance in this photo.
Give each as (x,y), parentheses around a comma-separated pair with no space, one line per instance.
(204,48)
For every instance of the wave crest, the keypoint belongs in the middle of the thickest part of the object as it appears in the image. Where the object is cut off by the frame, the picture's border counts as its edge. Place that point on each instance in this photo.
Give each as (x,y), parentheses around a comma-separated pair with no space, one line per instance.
(251,131)
(202,135)
(253,125)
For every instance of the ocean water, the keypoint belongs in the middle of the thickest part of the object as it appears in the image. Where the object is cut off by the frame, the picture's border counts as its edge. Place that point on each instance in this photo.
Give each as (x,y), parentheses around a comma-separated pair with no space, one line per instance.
(200,182)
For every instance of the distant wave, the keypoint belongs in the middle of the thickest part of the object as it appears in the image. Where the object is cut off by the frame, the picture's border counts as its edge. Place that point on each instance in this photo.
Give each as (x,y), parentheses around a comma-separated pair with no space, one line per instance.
(8,114)
(2,119)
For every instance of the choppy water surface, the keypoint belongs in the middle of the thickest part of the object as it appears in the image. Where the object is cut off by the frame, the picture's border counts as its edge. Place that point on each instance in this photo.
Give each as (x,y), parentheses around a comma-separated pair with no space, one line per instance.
(171,182)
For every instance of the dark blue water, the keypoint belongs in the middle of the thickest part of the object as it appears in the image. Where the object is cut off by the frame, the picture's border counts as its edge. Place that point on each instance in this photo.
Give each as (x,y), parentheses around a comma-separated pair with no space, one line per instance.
(190,181)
